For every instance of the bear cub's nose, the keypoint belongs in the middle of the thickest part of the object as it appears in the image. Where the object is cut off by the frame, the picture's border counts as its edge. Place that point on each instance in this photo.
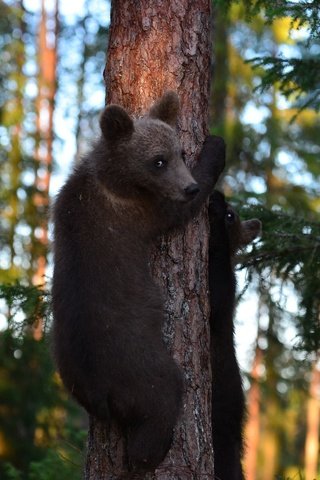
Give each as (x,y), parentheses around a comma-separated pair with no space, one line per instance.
(192,189)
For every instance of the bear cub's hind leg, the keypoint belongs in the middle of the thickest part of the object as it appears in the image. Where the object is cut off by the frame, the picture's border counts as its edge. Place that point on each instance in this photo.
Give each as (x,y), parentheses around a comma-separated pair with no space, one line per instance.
(149,438)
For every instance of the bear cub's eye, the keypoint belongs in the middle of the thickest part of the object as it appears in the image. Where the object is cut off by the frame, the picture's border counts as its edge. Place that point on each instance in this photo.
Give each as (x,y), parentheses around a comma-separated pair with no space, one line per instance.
(159,161)
(230,217)
(183,155)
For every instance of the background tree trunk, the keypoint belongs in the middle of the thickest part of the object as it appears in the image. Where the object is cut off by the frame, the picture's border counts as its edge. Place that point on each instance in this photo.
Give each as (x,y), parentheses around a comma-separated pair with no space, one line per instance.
(153,47)
(313,423)
(14,154)
(252,430)
(47,86)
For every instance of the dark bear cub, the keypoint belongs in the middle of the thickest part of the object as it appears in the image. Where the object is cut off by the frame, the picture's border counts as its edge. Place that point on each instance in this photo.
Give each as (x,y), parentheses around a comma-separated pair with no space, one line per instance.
(227,235)
(108,312)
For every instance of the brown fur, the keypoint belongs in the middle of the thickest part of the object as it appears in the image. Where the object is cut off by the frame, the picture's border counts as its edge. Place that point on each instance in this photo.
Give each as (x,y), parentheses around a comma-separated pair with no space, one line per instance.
(228,235)
(108,312)
(166,109)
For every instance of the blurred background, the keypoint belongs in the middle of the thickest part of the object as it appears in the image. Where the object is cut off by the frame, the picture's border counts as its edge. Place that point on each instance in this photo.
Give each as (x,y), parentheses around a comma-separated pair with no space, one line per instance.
(265,102)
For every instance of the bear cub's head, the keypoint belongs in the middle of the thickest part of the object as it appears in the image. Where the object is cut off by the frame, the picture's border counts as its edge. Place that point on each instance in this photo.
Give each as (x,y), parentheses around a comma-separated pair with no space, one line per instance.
(145,154)
(226,226)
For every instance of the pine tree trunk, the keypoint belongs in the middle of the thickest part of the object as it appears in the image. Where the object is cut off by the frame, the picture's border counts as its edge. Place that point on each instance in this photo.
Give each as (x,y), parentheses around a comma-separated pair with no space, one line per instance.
(153,47)
(47,59)
(47,85)
(252,430)
(311,453)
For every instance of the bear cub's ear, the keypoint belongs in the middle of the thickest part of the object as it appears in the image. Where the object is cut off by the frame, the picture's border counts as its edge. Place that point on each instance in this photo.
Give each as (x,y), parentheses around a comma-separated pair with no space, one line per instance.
(166,108)
(250,230)
(115,123)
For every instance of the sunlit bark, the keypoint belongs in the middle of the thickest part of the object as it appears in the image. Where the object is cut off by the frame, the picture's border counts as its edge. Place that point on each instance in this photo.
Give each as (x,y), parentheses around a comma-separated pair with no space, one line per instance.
(270,454)
(252,430)
(313,425)
(47,58)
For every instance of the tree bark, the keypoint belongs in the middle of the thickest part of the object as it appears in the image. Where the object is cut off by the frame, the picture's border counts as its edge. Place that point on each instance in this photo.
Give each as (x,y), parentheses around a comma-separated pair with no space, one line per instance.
(252,430)
(155,46)
(47,86)
(311,454)
(253,425)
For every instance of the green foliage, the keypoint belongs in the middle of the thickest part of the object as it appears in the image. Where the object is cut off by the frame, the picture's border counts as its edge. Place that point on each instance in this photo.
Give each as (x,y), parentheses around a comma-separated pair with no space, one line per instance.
(304,12)
(297,78)
(54,466)
(37,419)
(30,301)
(32,397)
(290,249)
(273,174)
(63,461)
(268,158)
(287,240)
(10,472)
(65,465)
(297,74)
(298,476)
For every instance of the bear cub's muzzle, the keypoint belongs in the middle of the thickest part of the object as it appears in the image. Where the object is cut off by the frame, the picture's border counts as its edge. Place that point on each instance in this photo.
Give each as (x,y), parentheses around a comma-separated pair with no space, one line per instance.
(191,191)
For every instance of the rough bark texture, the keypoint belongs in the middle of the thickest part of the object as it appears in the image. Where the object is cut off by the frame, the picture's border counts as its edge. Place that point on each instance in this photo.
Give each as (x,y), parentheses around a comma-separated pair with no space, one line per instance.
(155,46)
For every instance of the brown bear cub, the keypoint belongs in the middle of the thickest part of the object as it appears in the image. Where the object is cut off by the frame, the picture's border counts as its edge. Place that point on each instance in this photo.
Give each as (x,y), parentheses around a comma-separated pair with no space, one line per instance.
(108,312)
(227,235)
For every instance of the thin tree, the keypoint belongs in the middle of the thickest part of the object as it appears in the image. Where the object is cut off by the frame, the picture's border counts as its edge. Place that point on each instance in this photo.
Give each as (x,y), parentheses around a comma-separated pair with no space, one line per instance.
(47,85)
(154,47)
(83,24)
(12,118)
(253,426)
(311,453)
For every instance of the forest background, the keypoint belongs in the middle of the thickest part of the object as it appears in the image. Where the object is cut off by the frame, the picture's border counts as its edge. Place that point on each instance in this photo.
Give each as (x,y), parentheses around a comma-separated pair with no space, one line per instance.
(265,102)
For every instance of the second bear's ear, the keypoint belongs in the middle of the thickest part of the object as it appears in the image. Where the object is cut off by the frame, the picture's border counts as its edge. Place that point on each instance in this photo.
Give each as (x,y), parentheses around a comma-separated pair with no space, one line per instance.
(115,123)
(250,229)
(166,108)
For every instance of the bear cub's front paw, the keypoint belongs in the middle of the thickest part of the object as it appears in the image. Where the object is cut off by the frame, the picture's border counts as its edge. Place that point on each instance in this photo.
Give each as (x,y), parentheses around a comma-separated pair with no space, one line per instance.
(213,155)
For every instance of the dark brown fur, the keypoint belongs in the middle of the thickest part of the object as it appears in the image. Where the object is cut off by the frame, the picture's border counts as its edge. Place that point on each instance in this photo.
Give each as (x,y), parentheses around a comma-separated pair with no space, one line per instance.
(228,235)
(108,312)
